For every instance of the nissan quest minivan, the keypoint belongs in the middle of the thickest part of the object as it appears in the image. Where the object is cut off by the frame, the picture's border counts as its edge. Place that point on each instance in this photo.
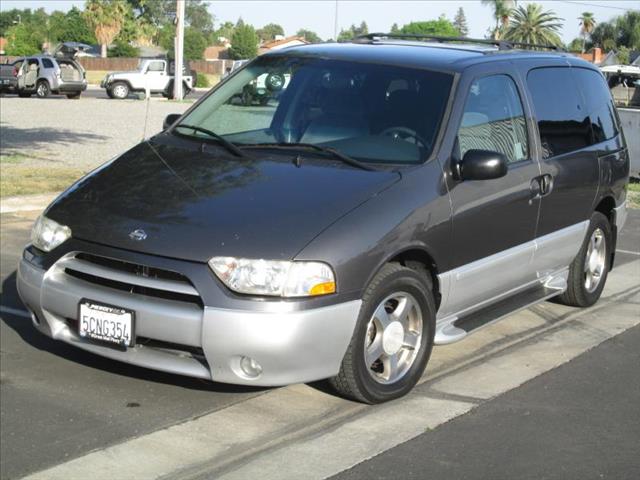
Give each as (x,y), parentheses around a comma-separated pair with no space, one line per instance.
(389,195)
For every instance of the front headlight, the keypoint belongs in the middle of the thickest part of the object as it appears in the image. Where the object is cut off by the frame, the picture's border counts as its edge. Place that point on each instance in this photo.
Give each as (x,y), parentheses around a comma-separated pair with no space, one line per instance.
(274,278)
(47,234)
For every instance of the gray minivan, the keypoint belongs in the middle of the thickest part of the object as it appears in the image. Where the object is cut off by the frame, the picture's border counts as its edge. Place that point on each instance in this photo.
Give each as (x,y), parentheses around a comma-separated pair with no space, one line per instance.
(392,195)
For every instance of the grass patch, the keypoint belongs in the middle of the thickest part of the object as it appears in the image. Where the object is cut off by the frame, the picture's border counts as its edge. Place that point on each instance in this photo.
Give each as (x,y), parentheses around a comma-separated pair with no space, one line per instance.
(22,180)
(12,158)
(94,77)
(633,195)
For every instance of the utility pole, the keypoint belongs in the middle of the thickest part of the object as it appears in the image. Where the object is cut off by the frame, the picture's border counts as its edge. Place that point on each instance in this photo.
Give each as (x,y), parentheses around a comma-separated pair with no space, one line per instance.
(178,47)
(335,23)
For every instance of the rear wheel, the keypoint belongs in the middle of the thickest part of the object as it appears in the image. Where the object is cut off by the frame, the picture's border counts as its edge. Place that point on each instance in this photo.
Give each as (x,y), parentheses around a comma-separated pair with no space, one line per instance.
(42,89)
(589,270)
(393,338)
(119,90)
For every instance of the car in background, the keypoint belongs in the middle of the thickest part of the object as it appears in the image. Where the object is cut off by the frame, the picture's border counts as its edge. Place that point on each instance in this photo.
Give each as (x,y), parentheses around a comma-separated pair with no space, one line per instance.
(153,74)
(59,73)
(9,76)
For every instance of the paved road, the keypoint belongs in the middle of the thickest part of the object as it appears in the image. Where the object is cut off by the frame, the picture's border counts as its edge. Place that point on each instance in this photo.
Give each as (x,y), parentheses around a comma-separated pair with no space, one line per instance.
(579,421)
(94,92)
(58,403)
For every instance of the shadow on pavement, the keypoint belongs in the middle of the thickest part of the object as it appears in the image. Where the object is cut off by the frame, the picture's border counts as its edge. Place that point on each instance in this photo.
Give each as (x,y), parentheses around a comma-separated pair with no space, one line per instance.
(28,333)
(34,139)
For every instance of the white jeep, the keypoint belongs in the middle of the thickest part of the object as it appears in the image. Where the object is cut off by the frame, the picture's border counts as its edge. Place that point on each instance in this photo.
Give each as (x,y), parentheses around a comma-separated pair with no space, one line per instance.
(153,74)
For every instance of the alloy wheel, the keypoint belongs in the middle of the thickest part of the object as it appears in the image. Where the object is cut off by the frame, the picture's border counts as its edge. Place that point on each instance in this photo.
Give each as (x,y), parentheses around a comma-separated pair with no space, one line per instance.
(595,260)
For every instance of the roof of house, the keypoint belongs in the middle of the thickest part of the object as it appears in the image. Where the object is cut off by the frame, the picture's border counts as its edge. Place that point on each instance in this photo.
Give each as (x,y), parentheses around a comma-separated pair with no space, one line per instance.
(284,41)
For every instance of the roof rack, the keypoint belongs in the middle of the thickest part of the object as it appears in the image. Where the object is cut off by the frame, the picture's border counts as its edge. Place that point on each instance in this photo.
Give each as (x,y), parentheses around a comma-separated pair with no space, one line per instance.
(501,44)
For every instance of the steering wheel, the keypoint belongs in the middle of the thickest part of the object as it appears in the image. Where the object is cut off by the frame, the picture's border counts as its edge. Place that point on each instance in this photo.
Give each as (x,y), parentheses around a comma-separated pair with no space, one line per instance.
(406,134)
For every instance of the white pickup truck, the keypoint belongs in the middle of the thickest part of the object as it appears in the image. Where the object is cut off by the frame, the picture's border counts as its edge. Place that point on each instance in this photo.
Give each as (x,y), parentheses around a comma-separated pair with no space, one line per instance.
(153,74)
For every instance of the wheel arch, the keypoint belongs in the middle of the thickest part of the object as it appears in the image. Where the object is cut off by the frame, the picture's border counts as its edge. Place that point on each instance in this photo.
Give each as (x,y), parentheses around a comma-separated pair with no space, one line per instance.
(607,206)
(416,257)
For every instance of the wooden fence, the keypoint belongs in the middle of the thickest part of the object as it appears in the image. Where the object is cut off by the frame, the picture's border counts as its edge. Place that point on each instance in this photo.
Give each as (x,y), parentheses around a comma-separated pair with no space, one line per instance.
(213,67)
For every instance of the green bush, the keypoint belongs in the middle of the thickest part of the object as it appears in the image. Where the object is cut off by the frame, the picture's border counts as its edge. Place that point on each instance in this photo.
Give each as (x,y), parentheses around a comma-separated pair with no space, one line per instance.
(244,43)
(202,81)
(123,49)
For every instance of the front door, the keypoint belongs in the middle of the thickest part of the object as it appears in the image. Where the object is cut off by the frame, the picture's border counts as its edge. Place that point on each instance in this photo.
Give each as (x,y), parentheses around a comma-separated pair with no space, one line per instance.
(494,221)
(156,76)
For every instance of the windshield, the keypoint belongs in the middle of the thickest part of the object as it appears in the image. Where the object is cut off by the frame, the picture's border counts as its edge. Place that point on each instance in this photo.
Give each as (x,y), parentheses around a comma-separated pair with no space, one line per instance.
(372,112)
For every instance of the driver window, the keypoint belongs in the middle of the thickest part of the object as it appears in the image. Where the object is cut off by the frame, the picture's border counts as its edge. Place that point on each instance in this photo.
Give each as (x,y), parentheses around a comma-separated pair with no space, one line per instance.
(155,67)
(493,119)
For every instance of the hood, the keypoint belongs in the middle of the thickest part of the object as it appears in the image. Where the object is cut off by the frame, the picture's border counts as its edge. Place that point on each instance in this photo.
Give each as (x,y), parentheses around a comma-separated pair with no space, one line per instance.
(194,205)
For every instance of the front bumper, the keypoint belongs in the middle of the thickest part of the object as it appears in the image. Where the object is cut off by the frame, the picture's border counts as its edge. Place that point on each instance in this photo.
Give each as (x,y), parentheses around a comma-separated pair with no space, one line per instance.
(292,346)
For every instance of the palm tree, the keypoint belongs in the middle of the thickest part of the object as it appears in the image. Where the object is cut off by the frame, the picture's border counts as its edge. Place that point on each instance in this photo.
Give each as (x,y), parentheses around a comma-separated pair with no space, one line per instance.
(106,17)
(587,24)
(533,25)
(501,12)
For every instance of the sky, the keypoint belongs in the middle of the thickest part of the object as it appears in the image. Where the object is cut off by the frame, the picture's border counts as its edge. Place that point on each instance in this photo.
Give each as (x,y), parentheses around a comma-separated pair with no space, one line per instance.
(320,15)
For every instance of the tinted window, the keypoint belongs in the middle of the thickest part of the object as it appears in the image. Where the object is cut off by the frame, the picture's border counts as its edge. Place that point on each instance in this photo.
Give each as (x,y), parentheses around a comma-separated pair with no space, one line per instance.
(47,63)
(494,120)
(598,103)
(562,120)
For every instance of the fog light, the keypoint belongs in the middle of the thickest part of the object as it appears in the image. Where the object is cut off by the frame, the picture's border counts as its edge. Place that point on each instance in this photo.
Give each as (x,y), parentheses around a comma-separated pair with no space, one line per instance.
(250,367)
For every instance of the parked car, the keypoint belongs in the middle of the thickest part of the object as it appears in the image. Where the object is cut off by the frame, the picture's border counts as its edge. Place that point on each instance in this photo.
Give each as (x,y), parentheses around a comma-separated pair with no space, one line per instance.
(59,73)
(396,195)
(154,74)
(9,76)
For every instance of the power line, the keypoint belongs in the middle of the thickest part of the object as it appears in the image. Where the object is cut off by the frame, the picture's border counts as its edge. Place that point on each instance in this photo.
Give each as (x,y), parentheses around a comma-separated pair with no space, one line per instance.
(593,5)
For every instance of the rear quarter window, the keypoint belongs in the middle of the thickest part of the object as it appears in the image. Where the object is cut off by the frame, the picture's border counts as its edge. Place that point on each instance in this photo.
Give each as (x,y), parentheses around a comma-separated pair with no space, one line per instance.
(598,103)
(563,122)
(46,63)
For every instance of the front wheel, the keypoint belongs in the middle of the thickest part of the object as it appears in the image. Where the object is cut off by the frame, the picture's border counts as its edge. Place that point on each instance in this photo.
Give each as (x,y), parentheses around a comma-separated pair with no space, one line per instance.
(42,89)
(589,270)
(393,337)
(119,90)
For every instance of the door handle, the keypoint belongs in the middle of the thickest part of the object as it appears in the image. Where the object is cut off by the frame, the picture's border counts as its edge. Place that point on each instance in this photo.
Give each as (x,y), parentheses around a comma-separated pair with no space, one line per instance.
(541,186)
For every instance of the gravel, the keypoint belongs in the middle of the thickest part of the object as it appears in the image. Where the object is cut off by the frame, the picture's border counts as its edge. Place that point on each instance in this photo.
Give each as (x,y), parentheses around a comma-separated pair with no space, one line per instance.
(78,133)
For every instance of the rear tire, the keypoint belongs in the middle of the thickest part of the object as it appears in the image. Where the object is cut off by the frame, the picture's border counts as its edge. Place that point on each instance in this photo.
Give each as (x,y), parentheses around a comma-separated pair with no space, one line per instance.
(589,270)
(42,89)
(119,90)
(396,320)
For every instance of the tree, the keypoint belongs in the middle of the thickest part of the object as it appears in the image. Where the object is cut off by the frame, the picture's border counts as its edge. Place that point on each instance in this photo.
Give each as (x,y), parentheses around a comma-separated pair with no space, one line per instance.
(576,45)
(587,24)
(460,22)
(353,31)
(628,29)
(531,24)
(309,36)
(106,17)
(72,28)
(244,42)
(269,32)
(224,32)
(123,49)
(395,28)
(502,10)
(604,35)
(22,41)
(440,28)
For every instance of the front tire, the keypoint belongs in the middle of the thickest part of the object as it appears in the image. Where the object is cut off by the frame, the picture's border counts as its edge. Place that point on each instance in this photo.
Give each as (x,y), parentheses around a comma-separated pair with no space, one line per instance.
(119,90)
(392,340)
(589,270)
(42,89)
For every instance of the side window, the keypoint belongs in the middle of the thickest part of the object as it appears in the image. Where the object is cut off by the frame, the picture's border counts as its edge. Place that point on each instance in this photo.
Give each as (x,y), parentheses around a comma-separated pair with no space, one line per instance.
(494,120)
(156,67)
(562,120)
(599,104)
(46,63)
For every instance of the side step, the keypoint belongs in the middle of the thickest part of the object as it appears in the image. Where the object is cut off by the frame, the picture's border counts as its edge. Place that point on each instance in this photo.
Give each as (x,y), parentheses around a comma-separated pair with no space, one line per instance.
(456,329)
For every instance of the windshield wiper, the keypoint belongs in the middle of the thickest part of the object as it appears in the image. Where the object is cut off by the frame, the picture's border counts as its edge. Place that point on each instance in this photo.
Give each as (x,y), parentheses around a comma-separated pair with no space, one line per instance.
(220,139)
(310,146)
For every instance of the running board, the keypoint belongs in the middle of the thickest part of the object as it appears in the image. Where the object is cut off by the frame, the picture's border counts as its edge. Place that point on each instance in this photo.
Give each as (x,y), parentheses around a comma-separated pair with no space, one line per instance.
(455,329)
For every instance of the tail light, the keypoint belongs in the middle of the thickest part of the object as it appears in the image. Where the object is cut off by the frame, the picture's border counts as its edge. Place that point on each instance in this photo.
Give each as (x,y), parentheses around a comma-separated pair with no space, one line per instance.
(15,71)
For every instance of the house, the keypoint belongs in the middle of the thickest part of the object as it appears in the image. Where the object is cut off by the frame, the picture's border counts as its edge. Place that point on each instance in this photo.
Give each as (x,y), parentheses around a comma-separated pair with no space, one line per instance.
(282,42)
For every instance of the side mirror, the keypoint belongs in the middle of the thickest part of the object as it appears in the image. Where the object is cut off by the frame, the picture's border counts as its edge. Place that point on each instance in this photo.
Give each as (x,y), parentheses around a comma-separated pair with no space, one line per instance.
(170,120)
(482,165)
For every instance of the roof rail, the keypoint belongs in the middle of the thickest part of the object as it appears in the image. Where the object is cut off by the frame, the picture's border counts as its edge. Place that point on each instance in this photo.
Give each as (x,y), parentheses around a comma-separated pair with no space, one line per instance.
(501,44)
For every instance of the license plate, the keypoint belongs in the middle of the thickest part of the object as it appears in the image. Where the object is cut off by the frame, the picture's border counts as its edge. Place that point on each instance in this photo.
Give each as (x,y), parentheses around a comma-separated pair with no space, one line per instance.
(106,324)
